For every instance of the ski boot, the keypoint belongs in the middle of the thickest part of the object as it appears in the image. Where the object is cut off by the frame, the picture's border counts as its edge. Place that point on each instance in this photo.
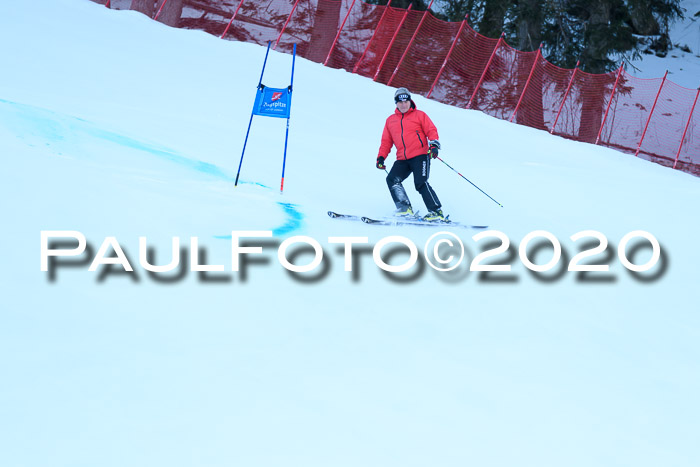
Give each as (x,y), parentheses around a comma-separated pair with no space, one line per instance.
(435,216)
(406,211)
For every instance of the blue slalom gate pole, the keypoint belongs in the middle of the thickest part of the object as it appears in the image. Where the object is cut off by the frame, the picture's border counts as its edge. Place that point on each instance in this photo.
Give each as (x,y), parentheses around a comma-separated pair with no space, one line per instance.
(286,134)
(253,113)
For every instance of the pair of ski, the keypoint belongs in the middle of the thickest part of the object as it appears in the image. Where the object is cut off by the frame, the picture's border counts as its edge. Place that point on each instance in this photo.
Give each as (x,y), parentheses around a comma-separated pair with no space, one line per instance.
(404,221)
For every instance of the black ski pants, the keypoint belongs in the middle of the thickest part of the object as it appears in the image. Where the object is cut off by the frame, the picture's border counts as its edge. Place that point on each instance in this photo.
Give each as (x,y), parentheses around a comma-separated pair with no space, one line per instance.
(420,168)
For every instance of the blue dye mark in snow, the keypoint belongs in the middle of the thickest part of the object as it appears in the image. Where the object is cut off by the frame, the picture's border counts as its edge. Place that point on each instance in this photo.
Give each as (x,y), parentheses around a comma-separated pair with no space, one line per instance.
(29,122)
(295,220)
(165,153)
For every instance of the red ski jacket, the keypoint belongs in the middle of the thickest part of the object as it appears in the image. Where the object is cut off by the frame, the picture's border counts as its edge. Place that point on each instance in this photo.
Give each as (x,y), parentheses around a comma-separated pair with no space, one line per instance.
(409,132)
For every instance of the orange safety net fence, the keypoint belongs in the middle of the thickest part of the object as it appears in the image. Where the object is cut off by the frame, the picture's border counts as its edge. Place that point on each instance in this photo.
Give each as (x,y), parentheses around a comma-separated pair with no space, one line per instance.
(450,62)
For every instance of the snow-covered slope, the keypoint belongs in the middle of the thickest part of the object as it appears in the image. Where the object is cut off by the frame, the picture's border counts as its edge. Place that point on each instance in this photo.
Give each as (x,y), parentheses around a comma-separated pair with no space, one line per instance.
(683,60)
(114,125)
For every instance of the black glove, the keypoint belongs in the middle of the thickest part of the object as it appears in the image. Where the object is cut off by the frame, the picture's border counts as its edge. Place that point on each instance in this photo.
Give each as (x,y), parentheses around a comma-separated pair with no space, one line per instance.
(434,148)
(380,163)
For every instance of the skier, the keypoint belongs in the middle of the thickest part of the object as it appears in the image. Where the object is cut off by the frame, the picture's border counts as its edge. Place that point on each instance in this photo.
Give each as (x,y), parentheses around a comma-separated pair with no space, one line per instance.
(416,141)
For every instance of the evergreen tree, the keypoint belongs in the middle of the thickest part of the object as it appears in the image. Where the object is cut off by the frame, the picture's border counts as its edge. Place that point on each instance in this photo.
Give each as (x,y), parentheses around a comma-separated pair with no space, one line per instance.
(456,10)
(599,33)
(492,21)
(529,21)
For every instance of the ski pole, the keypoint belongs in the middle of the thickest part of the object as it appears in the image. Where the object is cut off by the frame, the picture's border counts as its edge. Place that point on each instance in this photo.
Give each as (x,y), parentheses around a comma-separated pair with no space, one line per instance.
(448,165)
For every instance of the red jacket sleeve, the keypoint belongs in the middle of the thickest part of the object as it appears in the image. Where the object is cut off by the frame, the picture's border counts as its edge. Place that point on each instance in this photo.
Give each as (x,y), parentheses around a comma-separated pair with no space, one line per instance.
(429,127)
(387,142)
